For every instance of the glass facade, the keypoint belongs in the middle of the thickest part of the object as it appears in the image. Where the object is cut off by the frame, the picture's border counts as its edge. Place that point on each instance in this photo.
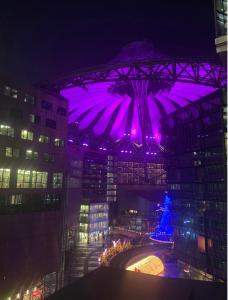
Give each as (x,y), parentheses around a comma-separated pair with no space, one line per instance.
(6,130)
(4,178)
(93,222)
(137,173)
(221,17)
(31,179)
(194,138)
(43,139)
(59,142)
(27,135)
(57,180)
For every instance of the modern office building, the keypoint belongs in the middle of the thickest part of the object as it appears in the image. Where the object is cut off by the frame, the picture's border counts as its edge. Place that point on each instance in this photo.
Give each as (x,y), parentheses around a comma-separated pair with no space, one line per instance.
(94,222)
(194,138)
(33,131)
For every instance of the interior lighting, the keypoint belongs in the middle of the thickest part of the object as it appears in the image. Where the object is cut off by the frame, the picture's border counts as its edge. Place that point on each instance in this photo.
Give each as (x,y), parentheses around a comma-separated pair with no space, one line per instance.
(149,265)
(187,221)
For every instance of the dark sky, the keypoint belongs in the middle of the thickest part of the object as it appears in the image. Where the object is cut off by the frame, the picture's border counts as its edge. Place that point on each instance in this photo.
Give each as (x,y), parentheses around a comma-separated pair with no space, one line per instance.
(40,41)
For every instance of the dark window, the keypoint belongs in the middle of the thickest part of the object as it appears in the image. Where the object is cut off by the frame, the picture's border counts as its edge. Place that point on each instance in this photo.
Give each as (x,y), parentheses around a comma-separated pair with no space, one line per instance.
(61,111)
(46,105)
(48,157)
(51,123)
(16,114)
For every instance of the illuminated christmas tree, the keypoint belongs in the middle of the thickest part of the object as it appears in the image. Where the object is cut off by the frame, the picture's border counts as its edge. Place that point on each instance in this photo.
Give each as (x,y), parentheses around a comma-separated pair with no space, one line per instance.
(164,231)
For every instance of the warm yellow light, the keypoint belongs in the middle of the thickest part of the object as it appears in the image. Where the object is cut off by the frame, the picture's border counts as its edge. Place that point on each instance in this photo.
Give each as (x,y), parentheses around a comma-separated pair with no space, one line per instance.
(149,265)
(18,296)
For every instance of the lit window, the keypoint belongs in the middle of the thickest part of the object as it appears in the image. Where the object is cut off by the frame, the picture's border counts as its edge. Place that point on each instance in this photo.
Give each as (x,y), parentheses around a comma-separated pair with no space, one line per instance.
(57,180)
(43,139)
(23,179)
(8,91)
(9,152)
(31,154)
(4,178)
(39,179)
(31,179)
(28,154)
(29,99)
(6,130)
(15,199)
(32,118)
(27,135)
(59,142)
(84,208)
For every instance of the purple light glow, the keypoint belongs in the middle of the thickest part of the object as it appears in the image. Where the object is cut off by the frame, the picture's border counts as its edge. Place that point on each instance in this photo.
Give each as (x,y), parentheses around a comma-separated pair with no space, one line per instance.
(130,106)
(133,131)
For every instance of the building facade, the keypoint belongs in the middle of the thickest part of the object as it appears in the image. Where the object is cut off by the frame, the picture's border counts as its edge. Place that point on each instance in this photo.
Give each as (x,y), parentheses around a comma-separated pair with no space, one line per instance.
(194,137)
(33,130)
(94,222)
(220,7)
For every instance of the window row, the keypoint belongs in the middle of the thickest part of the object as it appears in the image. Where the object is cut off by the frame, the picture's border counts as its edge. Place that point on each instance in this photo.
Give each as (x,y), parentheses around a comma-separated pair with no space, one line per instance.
(29,154)
(30,99)
(30,179)
(29,135)
(19,199)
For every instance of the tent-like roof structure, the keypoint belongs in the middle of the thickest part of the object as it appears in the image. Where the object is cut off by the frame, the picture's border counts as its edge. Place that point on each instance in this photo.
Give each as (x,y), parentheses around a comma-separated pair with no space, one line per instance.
(135,90)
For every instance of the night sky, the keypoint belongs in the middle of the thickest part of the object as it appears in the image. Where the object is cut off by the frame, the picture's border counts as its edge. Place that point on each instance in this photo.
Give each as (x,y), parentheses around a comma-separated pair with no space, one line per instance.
(42,41)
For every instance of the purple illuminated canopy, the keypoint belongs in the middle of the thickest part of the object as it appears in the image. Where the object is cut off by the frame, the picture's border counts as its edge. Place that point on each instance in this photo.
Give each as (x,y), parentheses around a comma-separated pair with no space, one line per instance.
(129,98)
